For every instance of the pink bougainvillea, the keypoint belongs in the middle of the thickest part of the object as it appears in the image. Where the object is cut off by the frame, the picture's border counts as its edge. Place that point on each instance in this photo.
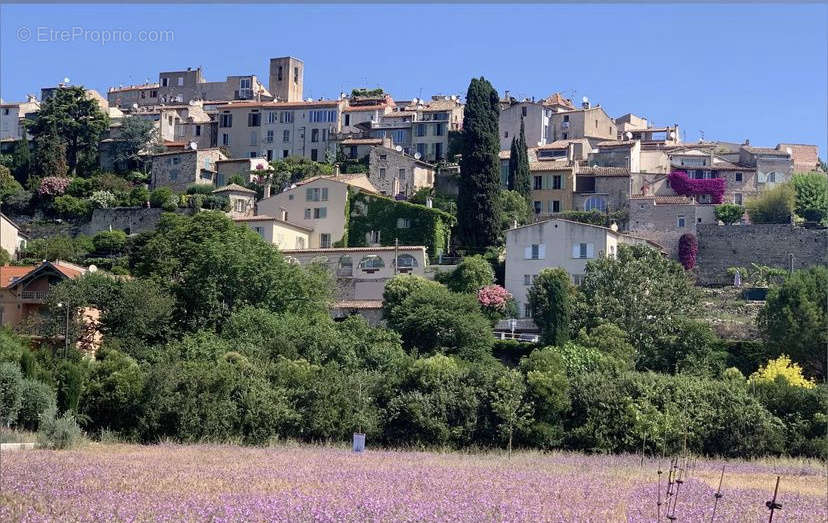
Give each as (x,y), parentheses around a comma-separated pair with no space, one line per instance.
(688,247)
(494,297)
(53,186)
(685,186)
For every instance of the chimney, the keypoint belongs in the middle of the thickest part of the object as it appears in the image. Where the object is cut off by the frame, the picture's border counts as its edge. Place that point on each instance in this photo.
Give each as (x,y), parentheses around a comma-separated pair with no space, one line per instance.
(585,105)
(747,141)
(506,95)
(283,215)
(267,189)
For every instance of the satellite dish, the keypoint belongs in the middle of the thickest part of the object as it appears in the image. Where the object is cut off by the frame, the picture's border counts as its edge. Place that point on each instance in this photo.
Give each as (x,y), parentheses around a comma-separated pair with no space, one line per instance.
(308,99)
(672,134)
(93,268)
(540,143)
(135,106)
(789,151)
(417,156)
(628,135)
(398,148)
(585,99)
(193,146)
(66,79)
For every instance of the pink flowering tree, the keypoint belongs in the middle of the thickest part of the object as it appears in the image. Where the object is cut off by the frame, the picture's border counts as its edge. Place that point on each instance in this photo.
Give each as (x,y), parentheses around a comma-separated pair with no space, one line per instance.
(496,302)
(685,186)
(53,186)
(688,248)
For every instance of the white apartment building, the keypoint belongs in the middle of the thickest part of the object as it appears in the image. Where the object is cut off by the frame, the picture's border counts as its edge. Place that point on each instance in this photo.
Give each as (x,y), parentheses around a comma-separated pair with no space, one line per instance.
(12,116)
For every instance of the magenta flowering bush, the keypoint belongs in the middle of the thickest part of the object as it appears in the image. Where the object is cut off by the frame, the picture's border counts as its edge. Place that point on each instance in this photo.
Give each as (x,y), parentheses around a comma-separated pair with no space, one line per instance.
(688,248)
(685,186)
(494,297)
(53,186)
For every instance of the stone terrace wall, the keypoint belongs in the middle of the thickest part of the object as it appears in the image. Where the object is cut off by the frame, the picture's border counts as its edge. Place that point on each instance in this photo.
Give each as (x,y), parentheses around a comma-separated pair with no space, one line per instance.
(133,220)
(726,246)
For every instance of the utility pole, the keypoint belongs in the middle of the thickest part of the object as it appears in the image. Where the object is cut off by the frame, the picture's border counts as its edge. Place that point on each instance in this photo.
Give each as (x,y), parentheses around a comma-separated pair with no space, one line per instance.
(396,255)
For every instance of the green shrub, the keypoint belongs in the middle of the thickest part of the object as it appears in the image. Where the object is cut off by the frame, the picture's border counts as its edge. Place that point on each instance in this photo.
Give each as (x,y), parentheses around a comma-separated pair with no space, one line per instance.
(11,385)
(103,199)
(775,205)
(81,187)
(164,198)
(472,274)
(811,195)
(201,188)
(36,398)
(217,202)
(58,433)
(69,377)
(729,213)
(109,242)
(139,196)
(72,208)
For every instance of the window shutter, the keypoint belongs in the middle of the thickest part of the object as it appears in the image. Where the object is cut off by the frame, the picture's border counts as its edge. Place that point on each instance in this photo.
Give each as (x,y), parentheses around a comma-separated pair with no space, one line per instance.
(576,250)
(527,253)
(541,251)
(590,250)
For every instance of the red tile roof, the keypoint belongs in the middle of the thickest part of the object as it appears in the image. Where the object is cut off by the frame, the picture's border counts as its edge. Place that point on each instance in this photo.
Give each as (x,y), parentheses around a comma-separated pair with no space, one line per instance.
(604,171)
(10,273)
(664,200)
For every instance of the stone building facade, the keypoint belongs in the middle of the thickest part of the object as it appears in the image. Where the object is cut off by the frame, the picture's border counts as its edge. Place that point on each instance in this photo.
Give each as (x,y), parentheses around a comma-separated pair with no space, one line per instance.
(393,172)
(664,219)
(181,169)
(774,245)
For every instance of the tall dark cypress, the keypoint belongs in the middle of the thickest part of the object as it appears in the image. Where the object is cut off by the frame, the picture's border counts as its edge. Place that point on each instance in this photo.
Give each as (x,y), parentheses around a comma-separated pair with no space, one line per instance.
(522,179)
(514,160)
(478,208)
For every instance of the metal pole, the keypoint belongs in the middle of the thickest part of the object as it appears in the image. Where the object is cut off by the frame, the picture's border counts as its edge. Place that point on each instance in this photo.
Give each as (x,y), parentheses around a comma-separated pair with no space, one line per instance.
(396,255)
(772,504)
(718,495)
(66,336)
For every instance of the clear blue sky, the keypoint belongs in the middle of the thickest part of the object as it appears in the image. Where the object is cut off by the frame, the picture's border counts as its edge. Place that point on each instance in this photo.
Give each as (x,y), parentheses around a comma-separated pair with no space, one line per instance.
(733,71)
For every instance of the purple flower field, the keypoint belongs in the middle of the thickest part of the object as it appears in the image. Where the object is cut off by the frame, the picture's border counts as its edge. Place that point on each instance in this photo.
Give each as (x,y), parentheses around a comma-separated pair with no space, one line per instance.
(229,483)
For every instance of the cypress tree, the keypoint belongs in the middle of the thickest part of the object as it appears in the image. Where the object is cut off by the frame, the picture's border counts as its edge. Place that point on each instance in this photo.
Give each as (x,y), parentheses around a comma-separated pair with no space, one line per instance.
(478,206)
(522,179)
(514,160)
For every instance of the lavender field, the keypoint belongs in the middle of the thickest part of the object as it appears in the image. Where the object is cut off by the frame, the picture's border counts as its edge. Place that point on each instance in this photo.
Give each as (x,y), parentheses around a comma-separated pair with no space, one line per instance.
(228,483)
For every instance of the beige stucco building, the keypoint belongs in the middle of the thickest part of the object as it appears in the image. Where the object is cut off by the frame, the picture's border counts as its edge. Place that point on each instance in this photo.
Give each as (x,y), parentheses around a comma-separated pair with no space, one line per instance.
(12,116)
(555,243)
(278,232)
(242,199)
(11,239)
(318,204)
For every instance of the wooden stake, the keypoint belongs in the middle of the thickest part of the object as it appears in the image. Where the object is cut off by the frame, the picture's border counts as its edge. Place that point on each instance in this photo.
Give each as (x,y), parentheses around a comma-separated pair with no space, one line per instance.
(718,495)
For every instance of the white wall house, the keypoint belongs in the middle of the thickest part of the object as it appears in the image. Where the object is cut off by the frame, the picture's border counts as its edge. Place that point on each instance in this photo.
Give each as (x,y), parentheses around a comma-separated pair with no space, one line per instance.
(555,243)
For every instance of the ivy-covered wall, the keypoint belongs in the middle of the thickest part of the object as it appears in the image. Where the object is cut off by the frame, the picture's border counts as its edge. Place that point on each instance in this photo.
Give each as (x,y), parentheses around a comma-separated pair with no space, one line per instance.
(369,212)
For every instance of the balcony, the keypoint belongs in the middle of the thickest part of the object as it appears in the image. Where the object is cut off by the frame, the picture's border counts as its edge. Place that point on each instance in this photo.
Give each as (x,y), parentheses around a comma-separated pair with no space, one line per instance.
(34,295)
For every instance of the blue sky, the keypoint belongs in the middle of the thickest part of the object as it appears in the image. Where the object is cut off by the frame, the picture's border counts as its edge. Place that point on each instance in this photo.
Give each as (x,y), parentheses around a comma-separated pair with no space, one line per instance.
(732,71)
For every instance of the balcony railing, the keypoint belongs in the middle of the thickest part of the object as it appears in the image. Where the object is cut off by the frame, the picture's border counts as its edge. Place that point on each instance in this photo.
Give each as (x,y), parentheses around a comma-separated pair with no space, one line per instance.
(34,295)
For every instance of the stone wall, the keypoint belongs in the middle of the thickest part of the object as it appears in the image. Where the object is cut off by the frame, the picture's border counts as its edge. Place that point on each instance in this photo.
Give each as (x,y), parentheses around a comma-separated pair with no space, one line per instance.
(133,220)
(723,246)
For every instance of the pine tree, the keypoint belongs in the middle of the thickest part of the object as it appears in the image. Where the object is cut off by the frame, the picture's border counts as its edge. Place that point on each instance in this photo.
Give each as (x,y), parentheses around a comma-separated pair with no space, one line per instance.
(522,179)
(22,159)
(478,206)
(514,160)
(49,158)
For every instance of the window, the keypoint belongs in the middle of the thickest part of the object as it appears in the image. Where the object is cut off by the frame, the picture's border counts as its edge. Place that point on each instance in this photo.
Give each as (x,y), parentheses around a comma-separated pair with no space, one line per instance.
(403,223)
(347,120)
(398,136)
(527,279)
(325,240)
(244,83)
(180,81)
(225,139)
(253,137)
(285,136)
(371,263)
(321,116)
(537,207)
(438,130)
(286,117)
(285,153)
(314,135)
(320,213)
(406,261)
(402,174)
(566,118)
(240,205)
(536,251)
(254,119)
(564,136)
(279,74)
(438,151)
(165,82)
(506,134)
(153,94)
(270,156)
(523,110)
(308,214)
(737,198)
(538,183)
(253,154)
(259,230)
(421,130)
(738,177)
(596,203)
(554,206)
(680,222)
(527,310)
(226,120)
(272,117)
(382,173)
(269,136)
(557,181)
(583,250)
(319,194)
(296,75)
(173,175)
(383,156)
(314,154)
(374,237)
(300,242)
(198,130)
(577,279)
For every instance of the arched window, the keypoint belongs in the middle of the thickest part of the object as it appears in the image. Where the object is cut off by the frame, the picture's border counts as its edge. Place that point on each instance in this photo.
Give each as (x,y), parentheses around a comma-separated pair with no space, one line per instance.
(406,261)
(371,263)
(595,203)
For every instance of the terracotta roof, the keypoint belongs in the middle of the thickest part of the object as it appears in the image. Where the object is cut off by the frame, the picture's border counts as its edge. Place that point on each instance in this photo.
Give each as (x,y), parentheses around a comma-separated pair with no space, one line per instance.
(70,270)
(664,200)
(277,105)
(357,180)
(613,143)
(266,218)
(765,150)
(10,273)
(234,187)
(358,304)
(557,99)
(604,171)
(805,157)
(399,114)
(548,166)
(362,141)
(356,108)
(343,250)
